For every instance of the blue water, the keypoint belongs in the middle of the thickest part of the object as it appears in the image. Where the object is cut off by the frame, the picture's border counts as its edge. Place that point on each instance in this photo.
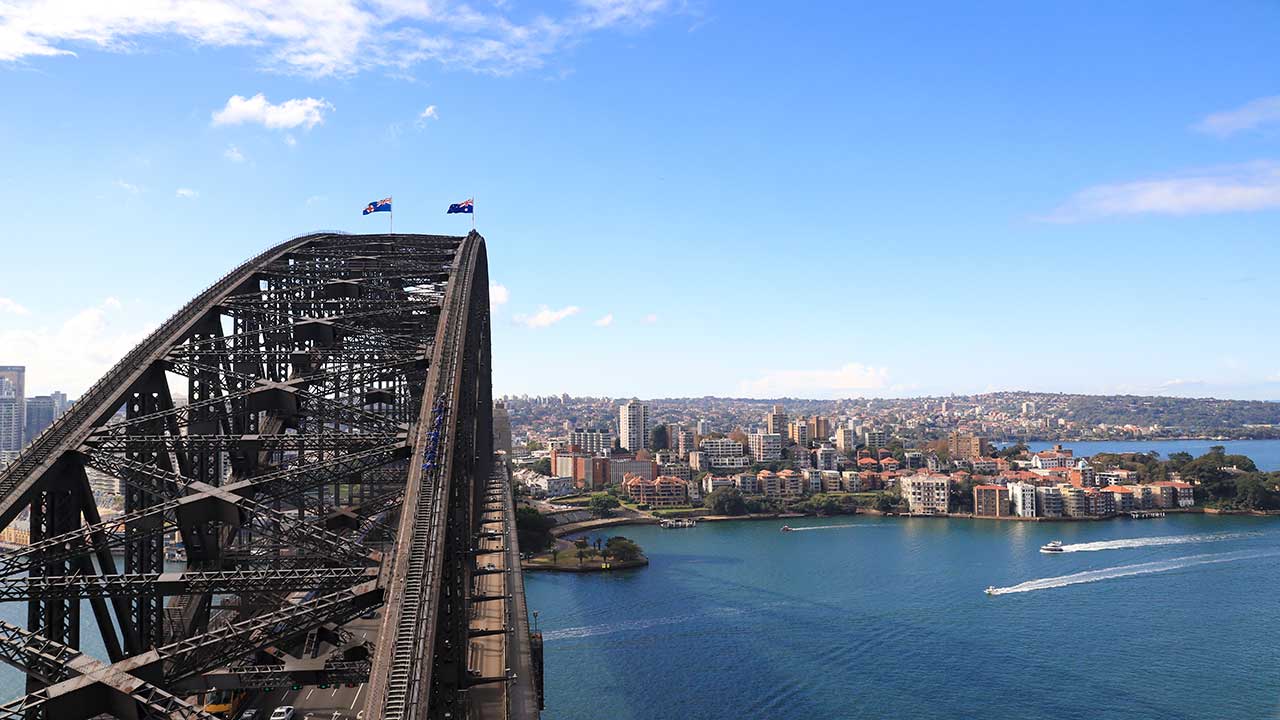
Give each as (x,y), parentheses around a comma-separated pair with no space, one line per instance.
(1265,453)
(887,618)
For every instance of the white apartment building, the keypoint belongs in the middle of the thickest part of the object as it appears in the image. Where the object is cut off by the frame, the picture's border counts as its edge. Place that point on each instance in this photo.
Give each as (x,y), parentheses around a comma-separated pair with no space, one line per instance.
(711,483)
(875,439)
(851,481)
(633,425)
(746,483)
(1023,497)
(553,486)
(596,442)
(927,494)
(765,447)
(826,457)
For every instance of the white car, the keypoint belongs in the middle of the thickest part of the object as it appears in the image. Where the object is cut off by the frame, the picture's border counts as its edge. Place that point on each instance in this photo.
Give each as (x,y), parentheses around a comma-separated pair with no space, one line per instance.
(284,712)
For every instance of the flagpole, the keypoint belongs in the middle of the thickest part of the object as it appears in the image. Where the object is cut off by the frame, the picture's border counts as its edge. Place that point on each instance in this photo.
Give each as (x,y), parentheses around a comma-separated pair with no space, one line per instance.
(473,213)
(392,216)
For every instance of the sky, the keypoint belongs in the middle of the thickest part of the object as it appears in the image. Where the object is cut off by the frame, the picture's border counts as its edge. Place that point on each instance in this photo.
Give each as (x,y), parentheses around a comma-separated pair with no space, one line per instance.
(680,197)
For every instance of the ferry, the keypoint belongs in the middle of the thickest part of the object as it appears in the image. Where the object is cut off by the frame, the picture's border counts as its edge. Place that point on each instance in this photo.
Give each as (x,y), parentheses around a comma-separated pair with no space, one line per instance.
(679,523)
(788,528)
(991,590)
(1053,546)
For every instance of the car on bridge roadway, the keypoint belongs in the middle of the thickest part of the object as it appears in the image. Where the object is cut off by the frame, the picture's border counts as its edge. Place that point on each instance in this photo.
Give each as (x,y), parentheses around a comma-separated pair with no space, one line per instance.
(284,712)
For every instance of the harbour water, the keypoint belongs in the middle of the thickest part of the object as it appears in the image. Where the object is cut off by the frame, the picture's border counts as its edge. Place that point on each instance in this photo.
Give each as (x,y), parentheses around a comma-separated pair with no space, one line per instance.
(1264,453)
(865,617)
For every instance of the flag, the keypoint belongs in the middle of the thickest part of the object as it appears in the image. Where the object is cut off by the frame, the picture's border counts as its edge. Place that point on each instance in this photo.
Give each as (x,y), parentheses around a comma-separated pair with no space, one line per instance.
(383,205)
(462,207)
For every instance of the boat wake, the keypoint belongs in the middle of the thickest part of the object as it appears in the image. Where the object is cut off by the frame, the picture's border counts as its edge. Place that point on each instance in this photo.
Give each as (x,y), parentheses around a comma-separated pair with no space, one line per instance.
(1128,543)
(829,527)
(1089,576)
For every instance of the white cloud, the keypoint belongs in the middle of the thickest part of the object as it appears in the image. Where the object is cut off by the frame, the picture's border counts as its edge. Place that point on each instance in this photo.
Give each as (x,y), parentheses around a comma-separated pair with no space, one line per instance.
(323,37)
(1274,378)
(498,295)
(605,321)
(71,356)
(290,140)
(233,154)
(128,187)
(1236,188)
(842,381)
(12,307)
(1180,382)
(1251,115)
(546,317)
(298,112)
(187,193)
(649,319)
(428,114)
(315,199)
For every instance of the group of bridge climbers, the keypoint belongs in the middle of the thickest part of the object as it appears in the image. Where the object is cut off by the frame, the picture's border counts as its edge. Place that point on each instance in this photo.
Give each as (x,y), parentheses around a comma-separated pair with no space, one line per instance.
(433,438)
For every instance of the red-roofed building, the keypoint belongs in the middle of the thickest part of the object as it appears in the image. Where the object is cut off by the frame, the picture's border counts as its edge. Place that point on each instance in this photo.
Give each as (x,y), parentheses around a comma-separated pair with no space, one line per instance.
(1174,494)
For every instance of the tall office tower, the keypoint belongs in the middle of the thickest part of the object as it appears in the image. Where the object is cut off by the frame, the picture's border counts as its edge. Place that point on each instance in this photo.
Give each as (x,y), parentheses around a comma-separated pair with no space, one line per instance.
(702,427)
(775,422)
(13,407)
(819,428)
(41,410)
(501,428)
(633,425)
(60,403)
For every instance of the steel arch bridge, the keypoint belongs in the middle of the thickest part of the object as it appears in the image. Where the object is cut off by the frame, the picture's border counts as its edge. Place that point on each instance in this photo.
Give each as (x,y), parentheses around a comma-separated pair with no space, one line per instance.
(333,461)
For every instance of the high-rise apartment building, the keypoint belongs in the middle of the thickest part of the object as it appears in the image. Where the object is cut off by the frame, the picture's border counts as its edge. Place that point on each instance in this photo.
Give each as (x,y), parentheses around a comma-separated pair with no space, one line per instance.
(798,432)
(775,422)
(633,425)
(765,447)
(596,442)
(875,439)
(964,446)
(819,428)
(846,439)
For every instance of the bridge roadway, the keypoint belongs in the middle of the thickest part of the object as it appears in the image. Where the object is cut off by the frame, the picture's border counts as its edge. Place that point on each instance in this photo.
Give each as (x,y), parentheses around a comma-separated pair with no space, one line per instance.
(331,477)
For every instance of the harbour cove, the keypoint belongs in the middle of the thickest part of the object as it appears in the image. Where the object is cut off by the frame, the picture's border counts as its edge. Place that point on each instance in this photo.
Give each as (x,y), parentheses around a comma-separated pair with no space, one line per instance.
(886,617)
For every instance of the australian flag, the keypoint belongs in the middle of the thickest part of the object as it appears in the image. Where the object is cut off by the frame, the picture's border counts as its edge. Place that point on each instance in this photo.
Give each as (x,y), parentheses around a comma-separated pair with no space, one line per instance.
(462,207)
(383,205)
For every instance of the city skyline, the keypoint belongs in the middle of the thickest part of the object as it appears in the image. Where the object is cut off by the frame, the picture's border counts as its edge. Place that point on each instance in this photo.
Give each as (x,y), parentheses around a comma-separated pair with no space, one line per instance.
(906,219)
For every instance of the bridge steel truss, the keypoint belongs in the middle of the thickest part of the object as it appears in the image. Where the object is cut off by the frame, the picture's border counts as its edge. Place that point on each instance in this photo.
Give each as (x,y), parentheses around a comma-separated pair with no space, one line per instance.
(330,458)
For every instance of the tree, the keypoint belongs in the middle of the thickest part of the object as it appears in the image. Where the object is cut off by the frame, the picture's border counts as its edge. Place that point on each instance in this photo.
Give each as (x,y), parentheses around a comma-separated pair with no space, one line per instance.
(659,439)
(622,548)
(533,529)
(543,466)
(739,436)
(602,504)
(726,501)
(885,502)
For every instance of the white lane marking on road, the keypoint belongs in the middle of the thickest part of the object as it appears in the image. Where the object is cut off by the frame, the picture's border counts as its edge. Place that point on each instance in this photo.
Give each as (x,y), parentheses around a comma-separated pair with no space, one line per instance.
(309,693)
(357,697)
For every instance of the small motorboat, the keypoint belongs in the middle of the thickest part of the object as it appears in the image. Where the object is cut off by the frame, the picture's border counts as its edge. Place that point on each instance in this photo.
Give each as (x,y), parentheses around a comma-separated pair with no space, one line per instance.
(1053,546)
(788,528)
(991,590)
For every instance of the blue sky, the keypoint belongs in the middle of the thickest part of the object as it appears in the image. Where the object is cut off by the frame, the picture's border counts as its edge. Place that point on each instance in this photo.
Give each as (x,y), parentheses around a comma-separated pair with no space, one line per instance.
(820,199)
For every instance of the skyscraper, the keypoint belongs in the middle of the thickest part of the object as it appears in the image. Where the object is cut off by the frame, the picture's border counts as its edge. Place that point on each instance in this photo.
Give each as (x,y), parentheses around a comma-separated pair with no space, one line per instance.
(501,428)
(633,425)
(41,411)
(13,410)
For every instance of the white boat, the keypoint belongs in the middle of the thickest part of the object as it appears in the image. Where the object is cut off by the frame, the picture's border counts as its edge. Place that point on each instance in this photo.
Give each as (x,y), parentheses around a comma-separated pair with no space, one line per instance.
(991,590)
(1053,546)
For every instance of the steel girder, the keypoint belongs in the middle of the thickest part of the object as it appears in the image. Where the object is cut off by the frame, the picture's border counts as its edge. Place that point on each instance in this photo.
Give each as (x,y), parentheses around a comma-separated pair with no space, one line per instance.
(311,379)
